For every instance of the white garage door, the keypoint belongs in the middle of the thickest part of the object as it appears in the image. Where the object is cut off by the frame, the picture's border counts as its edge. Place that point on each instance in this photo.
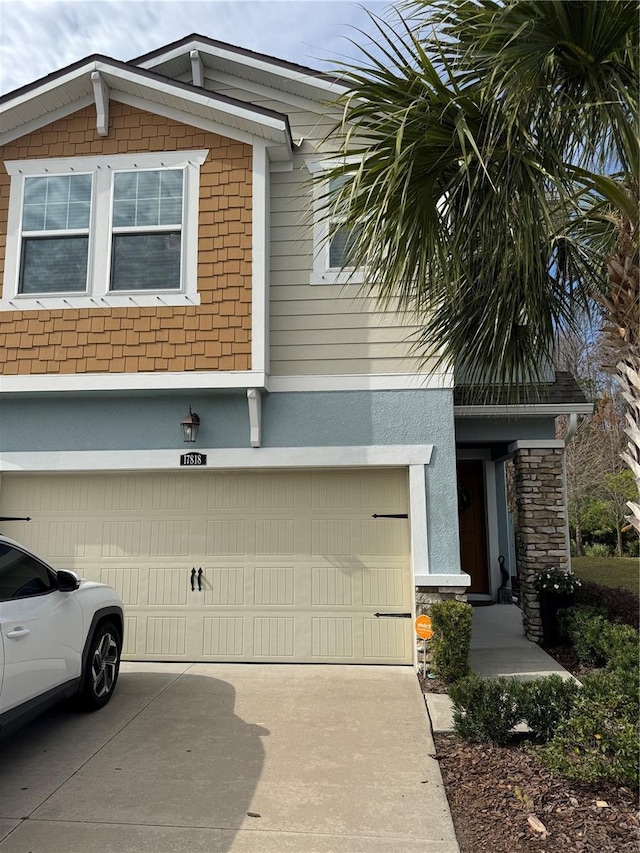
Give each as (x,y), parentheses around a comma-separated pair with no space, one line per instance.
(284,565)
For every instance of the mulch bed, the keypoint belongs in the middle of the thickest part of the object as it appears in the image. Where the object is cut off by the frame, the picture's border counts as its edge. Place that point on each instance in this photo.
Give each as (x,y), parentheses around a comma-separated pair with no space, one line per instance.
(496,793)
(504,801)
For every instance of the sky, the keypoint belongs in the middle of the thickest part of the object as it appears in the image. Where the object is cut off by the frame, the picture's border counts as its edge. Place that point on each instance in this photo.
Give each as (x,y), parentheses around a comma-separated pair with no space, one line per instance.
(41,36)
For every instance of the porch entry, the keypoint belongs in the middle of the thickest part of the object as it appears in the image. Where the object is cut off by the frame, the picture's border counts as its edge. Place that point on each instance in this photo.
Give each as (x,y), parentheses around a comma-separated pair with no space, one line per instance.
(472,524)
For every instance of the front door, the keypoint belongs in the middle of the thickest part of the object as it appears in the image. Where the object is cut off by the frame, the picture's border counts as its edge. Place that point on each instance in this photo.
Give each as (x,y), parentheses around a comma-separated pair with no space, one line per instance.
(472,523)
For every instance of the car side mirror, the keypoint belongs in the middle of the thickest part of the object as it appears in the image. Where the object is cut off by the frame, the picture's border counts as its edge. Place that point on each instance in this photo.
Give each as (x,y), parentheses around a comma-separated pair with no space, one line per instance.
(67,581)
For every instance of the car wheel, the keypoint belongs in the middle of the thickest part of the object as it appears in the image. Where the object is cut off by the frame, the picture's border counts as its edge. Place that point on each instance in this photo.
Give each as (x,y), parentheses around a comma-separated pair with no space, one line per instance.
(102,667)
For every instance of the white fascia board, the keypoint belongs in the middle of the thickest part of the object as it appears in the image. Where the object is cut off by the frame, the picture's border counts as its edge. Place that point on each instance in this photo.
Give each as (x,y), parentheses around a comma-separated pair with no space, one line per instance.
(460,580)
(49,86)
(260,261)
(48,118)
(203,380)
(207,101)
(326,86)
(536,444)
(378,456)
(362,382)
(532,409)
(264,91)
(265,126)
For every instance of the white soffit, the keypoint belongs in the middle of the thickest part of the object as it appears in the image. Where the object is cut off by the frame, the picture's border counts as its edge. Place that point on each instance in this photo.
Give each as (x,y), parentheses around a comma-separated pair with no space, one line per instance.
(245,65)
(34,106)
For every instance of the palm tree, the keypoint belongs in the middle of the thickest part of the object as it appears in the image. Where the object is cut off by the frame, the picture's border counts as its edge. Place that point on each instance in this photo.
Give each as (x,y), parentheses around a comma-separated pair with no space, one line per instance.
(491,155)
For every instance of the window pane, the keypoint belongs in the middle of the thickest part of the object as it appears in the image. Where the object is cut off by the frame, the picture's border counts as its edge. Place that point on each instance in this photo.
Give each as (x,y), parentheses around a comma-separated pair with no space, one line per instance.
(125,185)
(124,214)
(171,183)
(33,217)
(170,211)
(47,202)
(54,264)
(22,575)
(148,184)
(146,261)
(142,199)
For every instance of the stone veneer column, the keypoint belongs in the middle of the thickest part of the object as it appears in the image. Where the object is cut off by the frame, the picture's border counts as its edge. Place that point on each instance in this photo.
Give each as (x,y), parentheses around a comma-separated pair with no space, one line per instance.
(541,532)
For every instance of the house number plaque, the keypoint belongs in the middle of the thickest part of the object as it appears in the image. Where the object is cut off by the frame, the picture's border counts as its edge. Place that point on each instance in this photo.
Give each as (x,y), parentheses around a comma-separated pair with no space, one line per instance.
(193,459)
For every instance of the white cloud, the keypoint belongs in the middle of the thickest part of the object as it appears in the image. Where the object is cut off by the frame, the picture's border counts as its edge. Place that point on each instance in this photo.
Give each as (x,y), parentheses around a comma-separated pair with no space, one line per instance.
(37,38)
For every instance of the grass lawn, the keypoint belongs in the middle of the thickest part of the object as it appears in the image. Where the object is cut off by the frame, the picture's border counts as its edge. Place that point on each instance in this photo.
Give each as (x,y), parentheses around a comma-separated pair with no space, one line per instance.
(609,571)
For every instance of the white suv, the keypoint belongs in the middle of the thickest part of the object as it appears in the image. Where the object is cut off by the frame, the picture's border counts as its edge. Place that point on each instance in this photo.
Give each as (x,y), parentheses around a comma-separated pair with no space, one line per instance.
(59,637)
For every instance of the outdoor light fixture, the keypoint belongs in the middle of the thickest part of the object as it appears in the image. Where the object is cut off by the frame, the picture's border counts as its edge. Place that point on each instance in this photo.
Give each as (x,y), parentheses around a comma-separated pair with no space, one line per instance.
(190,426)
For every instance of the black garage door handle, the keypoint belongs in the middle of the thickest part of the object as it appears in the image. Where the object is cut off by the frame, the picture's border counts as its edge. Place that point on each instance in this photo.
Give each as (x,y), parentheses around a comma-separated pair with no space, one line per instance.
(393,615)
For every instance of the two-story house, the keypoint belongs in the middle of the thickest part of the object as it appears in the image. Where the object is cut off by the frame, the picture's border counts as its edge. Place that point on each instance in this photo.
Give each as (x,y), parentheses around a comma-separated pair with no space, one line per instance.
(164,268)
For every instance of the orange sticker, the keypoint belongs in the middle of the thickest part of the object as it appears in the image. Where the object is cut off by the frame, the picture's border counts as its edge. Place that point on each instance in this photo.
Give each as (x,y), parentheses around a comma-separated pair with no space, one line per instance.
(423,627)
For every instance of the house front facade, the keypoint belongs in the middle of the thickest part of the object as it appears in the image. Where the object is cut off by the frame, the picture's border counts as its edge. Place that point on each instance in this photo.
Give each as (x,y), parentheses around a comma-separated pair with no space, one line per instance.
(162,254)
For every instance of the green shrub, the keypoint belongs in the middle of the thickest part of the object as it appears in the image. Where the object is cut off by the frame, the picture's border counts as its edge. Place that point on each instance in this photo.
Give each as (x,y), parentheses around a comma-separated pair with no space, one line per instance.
(598,642)
(619,604)
(620,647)
(597,549)
(546,702)
(486,709)
(451,621)
(600,739)
(582,628)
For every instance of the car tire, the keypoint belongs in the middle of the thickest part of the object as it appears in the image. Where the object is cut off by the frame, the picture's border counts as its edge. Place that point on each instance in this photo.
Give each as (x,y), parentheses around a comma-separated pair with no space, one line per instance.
(102,667)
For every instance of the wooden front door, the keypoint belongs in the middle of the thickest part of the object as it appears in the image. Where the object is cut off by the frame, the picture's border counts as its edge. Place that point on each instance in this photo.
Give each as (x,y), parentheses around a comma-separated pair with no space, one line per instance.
(472,523)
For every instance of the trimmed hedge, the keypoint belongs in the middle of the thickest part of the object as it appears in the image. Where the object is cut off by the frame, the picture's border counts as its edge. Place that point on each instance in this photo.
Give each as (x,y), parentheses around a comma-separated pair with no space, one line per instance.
(487,710)
(451,622)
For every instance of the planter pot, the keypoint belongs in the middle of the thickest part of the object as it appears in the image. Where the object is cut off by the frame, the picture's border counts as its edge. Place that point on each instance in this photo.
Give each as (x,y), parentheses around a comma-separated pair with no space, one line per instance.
(549,606)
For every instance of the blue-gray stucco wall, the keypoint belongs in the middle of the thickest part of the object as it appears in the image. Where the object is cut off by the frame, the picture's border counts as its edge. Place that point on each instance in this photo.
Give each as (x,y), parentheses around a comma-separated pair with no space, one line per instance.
(326,419)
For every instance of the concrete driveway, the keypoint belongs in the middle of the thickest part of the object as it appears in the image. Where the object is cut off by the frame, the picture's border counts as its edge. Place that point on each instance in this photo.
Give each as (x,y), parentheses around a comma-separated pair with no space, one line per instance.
(231,759)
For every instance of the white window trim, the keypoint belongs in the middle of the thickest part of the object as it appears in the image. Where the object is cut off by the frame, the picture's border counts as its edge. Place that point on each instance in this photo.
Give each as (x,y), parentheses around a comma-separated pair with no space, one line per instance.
(101,230)
(322,272)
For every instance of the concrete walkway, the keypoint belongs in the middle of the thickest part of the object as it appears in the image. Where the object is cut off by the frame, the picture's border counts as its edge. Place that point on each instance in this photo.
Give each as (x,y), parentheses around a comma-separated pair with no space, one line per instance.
(231,759)
(498,648)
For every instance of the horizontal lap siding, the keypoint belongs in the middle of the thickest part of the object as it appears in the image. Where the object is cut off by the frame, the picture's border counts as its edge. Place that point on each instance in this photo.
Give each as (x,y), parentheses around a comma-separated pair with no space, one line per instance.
(319,329)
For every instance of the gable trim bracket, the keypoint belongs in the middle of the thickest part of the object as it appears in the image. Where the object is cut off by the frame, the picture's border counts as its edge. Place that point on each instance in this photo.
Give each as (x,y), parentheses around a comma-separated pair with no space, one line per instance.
(197,68)
(254,399)
(101,98)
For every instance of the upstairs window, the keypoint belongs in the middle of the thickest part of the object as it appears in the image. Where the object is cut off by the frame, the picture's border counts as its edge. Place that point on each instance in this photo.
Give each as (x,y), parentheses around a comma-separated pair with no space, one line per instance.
(331,240)
(55,234)
(112,231)
(147,230)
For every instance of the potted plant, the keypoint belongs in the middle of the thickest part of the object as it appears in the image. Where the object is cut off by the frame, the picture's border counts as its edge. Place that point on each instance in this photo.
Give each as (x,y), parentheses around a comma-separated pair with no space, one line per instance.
(556,590)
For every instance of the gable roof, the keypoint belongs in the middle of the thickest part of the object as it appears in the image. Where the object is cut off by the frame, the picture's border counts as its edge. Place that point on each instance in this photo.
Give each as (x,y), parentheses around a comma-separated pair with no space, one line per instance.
(173,60)
(71,88)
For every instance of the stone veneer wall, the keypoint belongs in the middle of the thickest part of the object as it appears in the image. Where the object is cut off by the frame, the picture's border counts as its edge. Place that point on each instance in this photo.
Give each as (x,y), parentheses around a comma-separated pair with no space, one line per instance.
(541,532)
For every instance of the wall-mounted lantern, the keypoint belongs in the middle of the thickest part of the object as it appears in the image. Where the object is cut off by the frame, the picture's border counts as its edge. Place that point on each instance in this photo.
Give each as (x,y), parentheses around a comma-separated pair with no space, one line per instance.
(190,426)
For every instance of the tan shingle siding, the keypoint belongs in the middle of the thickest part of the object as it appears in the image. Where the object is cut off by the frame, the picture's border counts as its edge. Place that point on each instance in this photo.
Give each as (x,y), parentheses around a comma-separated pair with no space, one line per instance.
(119,340)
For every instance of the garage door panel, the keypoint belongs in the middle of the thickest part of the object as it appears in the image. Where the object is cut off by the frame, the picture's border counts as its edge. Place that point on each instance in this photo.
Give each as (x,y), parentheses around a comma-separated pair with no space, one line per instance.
(332,637)
(170,538)
(167,587)
(166,636)
(273,586)
(224,586)
(124,493)
(385,639)
(126,581)
(122,538)
(223,637)
(275,537)
(331,587)
(294,567)
(332,536)
(273,637)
